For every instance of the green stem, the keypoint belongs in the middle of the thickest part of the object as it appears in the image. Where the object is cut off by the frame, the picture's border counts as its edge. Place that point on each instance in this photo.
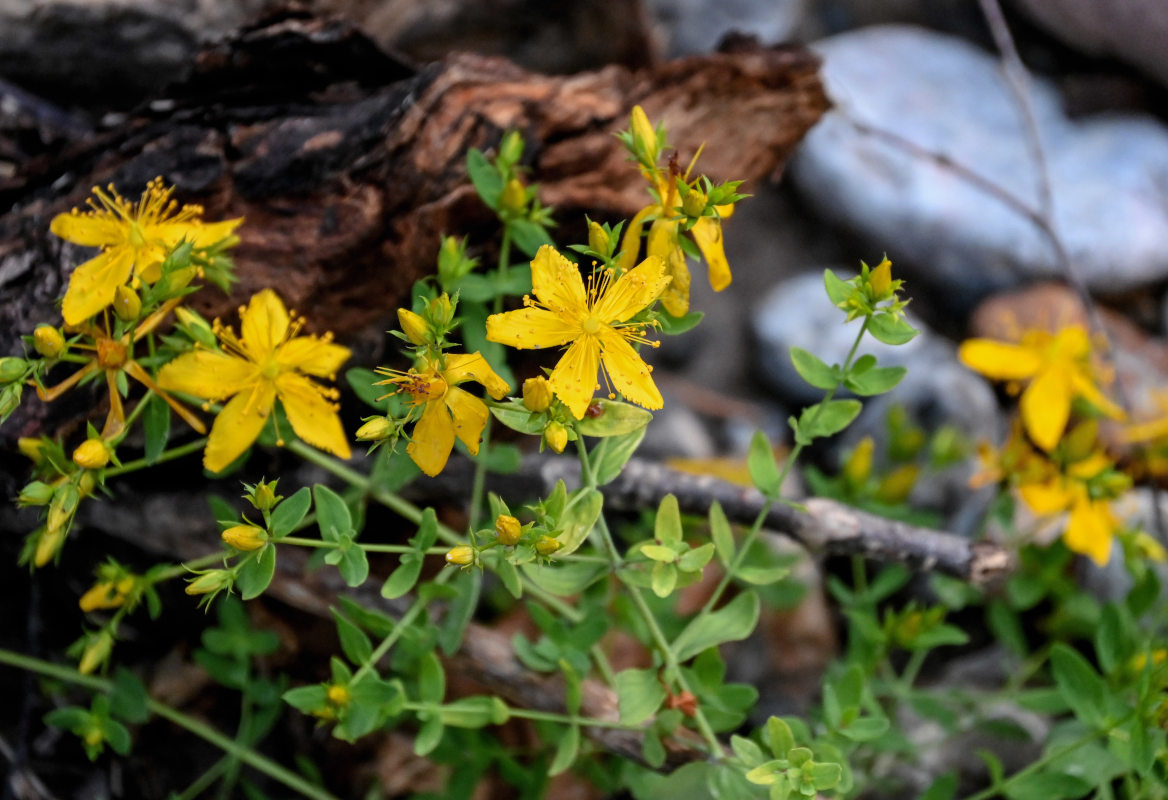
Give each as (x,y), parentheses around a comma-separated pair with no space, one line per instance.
(913,668)
(197,727)
(539,716)
(402,626)
(166,455)
(204,781)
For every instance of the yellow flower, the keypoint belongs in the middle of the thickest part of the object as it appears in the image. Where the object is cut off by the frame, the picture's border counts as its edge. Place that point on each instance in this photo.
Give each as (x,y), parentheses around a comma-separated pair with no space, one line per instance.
(266,362)
(106,594)
(447,411)
(1092,523)
(594,321)
(135,239)
(664,234)
(1059,369)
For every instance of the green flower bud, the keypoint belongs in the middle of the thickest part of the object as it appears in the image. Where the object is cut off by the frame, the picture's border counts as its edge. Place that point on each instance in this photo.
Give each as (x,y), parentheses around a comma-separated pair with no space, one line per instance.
(36,493)
(209,582)
(12,369)
(375,430)
(546,545)
(598,239)
(514,197)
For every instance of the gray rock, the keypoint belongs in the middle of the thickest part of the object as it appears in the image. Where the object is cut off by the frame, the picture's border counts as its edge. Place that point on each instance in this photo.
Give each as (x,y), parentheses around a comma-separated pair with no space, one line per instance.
(686,27)
(1109,176)
(1131,30)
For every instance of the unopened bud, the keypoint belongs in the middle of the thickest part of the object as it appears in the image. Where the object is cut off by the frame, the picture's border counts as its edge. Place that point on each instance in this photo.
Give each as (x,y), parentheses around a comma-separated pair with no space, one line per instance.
(86,483)
(48,543)
(441,310)
(546,545)
(644,136)
(880,279)
(461,556)
(339,695)
(91,454)
(694,203)
(598,239)
(209,582)
(96,653)
(859,463)
(245,537)
(1080,442)
(508,529)
(511,148)
(36,493)
(12,369)
(375,430)
(556,436)
(106,594)
(127,304)
(48,341)
(898,484)
(195,326)
(413,326)
(514,197)
(264,496)
(537,394)
(10,398)
(63,507)
(31,448)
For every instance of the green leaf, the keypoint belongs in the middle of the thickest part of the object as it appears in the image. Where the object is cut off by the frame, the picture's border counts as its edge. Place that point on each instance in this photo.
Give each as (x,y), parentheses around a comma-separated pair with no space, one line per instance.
(128,698)
(485,177)
(839,291)
(353,566)
(1046,786)
(528,236)
(576,522)
(332,514)
(672,326)
(361,381)
(402,579)
(156,428)
(474,712)
(664,579)
(721,534)
(431,679)
(1004,623)
(943,788)
(764,470)
(508,575)
(747,751)
(813,370)
(289,513)
(614,419)
(116,734)
(564,579)
(771,772)
(392,471)
(875,381)
(1112,639)
(514,415)
(1079,684)
(695,560)
(566,751)
(428,736)
(667,528)
(865,729)
(639,694)
(256,573)
(658,552)
(890,330)
(611,455)
(733,622)
(825,776)
(306,698)
(779,737)
(354,643)
(468,586)
(762,576)
(828,418)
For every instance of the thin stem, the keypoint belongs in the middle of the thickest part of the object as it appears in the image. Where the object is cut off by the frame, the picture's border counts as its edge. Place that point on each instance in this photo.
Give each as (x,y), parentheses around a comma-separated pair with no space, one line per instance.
(198,728)
(166,455)
(402,626)
(540,716)
(204,781)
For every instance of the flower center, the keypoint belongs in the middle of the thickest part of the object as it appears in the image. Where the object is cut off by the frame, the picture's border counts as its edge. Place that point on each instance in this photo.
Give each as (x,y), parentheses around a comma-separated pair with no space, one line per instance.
(591,326)
(137,238)
(111,353)
(270,370)
(424,388)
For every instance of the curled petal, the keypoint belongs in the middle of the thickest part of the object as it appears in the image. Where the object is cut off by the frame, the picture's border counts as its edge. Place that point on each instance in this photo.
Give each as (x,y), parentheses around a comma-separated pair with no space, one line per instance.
(238,425)
(462,367)
(707,232)
(313,417)
(664,244)
(469,415)
(432,439)
(574,378)
(631,239)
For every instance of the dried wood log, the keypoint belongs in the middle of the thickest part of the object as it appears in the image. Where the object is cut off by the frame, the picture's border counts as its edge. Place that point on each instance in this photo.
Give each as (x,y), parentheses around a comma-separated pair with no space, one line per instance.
(349,166)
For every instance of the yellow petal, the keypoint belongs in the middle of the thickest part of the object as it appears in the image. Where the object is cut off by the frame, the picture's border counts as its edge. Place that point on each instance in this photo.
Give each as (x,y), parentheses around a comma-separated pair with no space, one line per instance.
(238,425)
(707,232)
(1085,387)
(1090,530)
(1049,497)
(664,244)
(89,230)
(633,291)
(198,234)
(999,361)
(574,378)
(1146,431)
(530,329)
(462,367)
(1089,467)
(93,284)
(432,439)
(470,417)
(207,374)
(556,281)
(264,324)
(1071,342)
(313,417)
(312,355)
(1046,406)
(631,239)
(626,370)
